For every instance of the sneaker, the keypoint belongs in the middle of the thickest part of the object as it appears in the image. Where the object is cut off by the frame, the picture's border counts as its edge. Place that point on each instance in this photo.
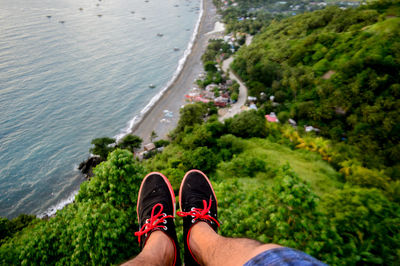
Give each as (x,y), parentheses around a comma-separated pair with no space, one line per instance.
(198,203)
(156,210)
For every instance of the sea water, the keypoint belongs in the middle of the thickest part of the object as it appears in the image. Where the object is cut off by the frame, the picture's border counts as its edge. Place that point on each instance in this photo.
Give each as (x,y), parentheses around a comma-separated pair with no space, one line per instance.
(71,71)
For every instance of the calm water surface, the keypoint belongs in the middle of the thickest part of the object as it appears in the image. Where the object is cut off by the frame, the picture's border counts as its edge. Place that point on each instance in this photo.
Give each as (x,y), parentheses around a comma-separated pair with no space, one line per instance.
(63,84)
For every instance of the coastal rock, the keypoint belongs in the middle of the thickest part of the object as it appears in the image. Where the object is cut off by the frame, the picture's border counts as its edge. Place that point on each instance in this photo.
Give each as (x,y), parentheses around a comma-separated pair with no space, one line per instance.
(86,167)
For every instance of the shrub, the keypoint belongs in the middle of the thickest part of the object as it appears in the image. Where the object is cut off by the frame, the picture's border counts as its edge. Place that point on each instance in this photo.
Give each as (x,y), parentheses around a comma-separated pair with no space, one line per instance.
(201,158)
(283,116)
(247,125)
(244,165)
(369,224)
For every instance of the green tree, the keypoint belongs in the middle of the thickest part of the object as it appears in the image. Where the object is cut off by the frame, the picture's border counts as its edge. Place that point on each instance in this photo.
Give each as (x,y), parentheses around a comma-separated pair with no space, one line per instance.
(191,114)
(153,136)
(102,147)
(210,66)
(201,158)
(247,125)
(131,143)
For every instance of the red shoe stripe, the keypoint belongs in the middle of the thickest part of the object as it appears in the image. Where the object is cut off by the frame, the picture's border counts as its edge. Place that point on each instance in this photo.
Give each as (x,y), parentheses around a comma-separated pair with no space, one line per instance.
(187,241)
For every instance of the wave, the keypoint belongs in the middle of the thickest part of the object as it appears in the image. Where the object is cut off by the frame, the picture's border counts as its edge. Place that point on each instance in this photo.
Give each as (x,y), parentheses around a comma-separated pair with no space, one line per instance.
(137,118)
(60,205)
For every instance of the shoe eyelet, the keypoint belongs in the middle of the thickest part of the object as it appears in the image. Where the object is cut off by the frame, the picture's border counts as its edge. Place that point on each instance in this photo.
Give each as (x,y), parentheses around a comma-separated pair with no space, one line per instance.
(192,216)
(164,214)
(147,221)
(165,221)
(165,228)
(192,209)
(192,221)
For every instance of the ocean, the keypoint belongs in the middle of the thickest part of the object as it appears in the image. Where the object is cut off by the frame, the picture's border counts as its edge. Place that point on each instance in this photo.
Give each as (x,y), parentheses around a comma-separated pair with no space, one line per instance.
(71,71)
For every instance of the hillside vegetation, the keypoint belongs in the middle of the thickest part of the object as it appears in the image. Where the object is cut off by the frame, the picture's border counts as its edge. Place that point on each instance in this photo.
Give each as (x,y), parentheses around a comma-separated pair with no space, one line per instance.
(272,184)
(339,201)
(337,70)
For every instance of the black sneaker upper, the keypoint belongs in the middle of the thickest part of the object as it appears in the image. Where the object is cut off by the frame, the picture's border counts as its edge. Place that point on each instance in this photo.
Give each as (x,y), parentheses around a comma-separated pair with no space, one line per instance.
(198,202)
(156,210)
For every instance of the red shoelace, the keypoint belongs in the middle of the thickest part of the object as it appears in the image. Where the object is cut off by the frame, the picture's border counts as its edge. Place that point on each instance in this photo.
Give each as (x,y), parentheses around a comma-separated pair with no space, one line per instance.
(202,214)
(154,221)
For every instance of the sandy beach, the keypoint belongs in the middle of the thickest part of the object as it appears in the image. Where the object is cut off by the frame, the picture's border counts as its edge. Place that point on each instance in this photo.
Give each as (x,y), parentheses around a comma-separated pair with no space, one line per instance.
(164,115)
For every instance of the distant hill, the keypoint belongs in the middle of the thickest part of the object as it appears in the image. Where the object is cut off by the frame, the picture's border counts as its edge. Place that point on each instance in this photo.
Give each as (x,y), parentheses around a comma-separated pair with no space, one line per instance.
(337,70)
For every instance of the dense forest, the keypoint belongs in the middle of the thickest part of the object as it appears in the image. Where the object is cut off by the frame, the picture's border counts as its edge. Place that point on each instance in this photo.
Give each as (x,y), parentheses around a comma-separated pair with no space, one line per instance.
(337,70)
(336,196)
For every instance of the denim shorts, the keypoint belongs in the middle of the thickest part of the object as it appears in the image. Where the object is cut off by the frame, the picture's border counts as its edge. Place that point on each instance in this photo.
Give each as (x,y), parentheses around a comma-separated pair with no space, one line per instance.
(283,256)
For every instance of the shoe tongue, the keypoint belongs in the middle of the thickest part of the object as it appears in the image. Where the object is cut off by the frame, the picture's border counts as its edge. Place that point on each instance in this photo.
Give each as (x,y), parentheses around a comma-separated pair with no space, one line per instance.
(197,202)
(151,203)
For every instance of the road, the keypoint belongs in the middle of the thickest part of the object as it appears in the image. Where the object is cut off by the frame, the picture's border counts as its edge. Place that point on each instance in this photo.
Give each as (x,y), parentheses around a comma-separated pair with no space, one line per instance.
(236,107)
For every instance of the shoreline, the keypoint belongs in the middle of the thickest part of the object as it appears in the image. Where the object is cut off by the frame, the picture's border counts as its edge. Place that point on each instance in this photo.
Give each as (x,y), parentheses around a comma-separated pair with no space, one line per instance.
(172,97)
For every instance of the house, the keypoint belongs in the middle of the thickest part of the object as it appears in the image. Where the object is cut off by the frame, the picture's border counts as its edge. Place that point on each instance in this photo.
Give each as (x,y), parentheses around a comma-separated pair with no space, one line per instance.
(201,99)
(224,95)
(209,95)
(272,118)
(311,128)
(253,106)
(221,101)
(211,87)
(150,146)
(220,104)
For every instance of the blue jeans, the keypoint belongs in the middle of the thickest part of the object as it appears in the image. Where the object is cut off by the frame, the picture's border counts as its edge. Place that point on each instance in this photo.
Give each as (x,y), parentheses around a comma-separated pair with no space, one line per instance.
(283,256)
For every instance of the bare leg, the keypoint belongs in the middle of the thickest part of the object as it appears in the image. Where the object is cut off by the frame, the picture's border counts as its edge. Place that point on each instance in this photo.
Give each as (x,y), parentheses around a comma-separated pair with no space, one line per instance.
(158,250)
(209,248)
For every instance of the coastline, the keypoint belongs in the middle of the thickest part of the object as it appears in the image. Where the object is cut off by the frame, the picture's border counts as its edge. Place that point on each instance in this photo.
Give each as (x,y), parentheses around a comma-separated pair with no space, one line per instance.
(173,97)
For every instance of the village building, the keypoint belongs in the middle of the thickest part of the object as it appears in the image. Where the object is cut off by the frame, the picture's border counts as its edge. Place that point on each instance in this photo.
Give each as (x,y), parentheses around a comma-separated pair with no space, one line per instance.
(272,118)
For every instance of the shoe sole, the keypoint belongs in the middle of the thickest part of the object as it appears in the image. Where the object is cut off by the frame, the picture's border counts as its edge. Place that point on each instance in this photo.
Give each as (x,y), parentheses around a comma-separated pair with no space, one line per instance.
(171,191)
(183,181)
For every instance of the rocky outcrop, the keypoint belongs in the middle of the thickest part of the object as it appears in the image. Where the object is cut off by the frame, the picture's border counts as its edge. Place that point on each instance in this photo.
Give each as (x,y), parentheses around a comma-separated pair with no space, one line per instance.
(86,167)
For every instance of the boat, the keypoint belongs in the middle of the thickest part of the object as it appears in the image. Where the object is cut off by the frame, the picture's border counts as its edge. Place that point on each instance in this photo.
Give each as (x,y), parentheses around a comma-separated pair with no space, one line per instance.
(176,49)
(152,86)
(143,18)
(48,16)
(160,34)
(99,15)
(132,12)
(80,9)
(62,21)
